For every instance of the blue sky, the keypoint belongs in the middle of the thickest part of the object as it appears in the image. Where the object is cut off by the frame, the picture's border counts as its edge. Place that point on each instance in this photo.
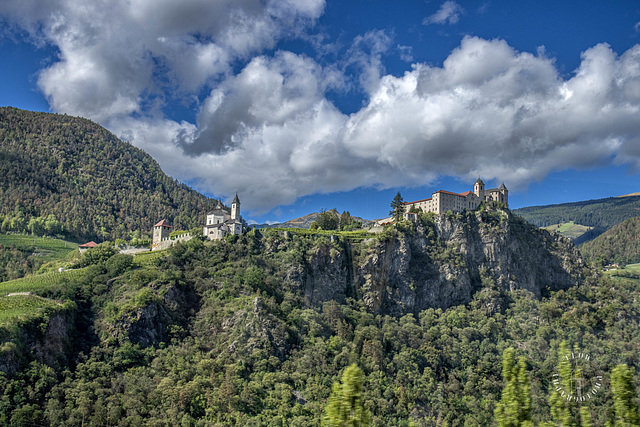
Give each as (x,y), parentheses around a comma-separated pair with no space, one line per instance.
(311,104)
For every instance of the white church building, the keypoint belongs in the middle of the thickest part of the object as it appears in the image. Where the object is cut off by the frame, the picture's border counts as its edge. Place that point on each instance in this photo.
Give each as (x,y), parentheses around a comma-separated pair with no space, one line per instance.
(222,221)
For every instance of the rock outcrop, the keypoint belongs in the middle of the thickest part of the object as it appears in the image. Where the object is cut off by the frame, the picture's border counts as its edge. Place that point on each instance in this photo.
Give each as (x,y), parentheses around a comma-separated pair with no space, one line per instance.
(46,340)
(442,262)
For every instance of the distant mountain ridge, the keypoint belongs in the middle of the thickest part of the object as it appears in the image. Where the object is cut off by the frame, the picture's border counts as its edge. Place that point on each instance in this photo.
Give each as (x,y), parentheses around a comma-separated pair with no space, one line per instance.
(96,185)
(601,214)
(620,244)
(306,220)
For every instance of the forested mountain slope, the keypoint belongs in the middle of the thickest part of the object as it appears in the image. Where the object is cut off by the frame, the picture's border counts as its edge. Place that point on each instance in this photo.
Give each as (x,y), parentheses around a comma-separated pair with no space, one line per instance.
(601,214)
(254,329)
(96,185)
(620,244)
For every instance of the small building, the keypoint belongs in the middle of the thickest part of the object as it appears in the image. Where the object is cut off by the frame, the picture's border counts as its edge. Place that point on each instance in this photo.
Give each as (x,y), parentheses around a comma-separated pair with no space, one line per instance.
(83,247)
(162,236)
(161,232)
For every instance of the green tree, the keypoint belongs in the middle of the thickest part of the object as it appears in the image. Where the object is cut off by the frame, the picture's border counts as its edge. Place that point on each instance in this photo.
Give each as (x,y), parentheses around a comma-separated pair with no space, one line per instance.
(118,264)
(36,226)
(514,409)
(18,222)
(624,397)
(327,220)
(97,255)
(345,407)
(52,225)
(561,414)
(347,223)
(397,207)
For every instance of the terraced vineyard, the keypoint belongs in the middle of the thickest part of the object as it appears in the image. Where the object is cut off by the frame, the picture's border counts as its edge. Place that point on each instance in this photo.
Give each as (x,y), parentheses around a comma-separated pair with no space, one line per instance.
(37,283)
(20,298)
(353,236)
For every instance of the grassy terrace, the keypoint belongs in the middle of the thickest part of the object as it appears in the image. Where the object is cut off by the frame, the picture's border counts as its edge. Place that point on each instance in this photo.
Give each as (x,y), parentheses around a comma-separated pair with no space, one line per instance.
(145,259)
(569,229)
(18,308)
(37,283)
(631,271)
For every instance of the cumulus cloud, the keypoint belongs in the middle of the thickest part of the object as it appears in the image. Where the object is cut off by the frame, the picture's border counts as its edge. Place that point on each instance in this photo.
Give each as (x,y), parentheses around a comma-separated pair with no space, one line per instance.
(498,113)
(449,13)
(266,126)
(489,111)
(117,56)
(267,92)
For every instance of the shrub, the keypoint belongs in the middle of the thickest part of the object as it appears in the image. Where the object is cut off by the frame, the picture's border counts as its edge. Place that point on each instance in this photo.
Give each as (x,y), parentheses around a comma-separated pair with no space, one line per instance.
(118,264)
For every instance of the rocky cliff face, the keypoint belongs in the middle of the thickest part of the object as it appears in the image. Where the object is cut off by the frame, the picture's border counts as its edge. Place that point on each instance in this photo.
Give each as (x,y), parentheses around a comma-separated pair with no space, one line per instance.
(46,341)
(149,323)
(442,262)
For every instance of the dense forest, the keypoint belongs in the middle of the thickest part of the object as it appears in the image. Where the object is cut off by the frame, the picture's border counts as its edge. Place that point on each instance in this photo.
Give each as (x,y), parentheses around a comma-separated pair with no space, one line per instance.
(601,214)
(620,244)
(67,175)
(228,333)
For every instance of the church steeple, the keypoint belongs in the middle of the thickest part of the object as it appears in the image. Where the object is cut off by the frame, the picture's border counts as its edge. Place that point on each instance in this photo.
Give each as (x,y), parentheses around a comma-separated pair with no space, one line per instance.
(235,208)
(478,189)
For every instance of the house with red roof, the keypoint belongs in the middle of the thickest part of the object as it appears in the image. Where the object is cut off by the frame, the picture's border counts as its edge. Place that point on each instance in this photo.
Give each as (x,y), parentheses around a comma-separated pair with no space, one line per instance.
(83,247)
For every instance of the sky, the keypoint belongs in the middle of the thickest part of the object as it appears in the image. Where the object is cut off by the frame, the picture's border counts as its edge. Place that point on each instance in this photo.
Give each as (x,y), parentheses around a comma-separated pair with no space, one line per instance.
(303,105)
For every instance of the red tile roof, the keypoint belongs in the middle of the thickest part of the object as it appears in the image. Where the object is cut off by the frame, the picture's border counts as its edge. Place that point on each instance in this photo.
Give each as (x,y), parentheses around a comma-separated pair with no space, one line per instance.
(90,244)
(417,201)
(163,223)
(453,194)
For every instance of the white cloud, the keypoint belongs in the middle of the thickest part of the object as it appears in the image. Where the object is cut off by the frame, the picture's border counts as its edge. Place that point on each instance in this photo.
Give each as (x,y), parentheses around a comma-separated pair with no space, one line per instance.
(365,55)
(449,13)
(494,112)
(117,57)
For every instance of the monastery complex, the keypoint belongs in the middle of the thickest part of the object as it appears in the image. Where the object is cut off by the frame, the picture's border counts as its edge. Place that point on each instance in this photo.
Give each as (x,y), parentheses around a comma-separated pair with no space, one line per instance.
(442,201)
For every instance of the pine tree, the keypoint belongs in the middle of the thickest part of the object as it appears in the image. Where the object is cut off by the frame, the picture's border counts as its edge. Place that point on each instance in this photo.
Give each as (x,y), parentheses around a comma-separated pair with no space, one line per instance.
(397,207)
(345,407)
(624,396)
(514,409)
